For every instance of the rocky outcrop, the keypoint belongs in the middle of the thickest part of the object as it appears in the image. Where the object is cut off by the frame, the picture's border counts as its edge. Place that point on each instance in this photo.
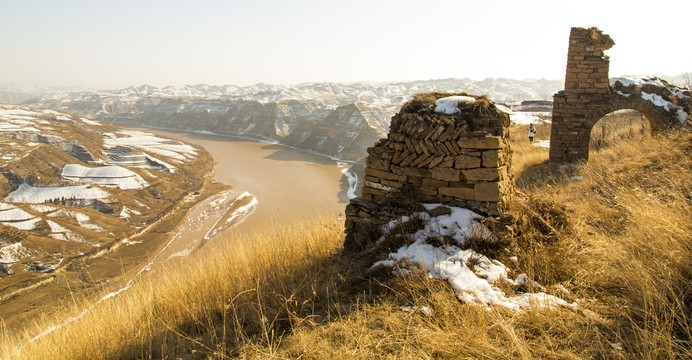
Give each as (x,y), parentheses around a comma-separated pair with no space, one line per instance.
(78,151)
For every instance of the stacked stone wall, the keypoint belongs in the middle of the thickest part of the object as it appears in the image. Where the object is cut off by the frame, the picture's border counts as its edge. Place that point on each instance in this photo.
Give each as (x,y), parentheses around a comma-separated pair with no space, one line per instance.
(461,159)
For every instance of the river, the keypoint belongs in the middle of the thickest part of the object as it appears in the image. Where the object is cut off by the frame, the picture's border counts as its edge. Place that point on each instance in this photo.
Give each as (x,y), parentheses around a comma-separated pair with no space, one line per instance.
(287,183)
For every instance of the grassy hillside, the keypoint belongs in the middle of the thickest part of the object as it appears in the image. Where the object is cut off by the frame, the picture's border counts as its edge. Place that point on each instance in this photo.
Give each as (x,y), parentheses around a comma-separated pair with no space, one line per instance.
(613,235)
(54,247)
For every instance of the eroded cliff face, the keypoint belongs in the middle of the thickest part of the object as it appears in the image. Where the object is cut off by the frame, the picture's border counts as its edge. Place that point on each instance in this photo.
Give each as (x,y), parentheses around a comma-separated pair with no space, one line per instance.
(345,132)
(318,126)
(337,120)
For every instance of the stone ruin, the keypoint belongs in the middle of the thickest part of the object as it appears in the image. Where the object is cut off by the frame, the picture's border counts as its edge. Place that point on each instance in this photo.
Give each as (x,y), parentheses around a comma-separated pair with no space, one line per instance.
(589,95)
(443,148)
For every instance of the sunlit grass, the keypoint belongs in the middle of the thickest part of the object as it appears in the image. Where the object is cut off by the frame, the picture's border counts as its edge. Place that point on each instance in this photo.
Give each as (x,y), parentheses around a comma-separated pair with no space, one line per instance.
(613,234)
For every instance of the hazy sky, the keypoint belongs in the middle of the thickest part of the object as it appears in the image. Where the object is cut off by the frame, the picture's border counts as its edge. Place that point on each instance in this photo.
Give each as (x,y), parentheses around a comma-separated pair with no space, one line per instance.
(113,44)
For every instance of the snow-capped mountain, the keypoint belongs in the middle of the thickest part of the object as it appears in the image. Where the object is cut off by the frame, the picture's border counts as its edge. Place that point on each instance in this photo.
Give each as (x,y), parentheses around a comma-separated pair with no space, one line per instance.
(335,119)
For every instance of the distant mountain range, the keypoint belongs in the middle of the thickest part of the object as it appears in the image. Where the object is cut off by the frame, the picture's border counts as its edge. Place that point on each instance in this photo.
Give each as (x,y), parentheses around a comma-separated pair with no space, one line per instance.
(339,120)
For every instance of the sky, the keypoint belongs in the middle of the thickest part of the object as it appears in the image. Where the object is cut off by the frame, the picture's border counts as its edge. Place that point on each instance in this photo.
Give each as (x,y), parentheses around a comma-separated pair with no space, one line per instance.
(114,44)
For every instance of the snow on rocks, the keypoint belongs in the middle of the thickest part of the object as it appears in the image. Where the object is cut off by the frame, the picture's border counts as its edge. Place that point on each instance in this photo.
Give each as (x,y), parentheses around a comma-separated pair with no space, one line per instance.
(59,232)
(149,143)
(126,212)
(448,105)
(13,253)
(11,215)
(525,118)
(91,122)
(82,219)
(43,208)
(38,195)
(637,81)
(472,275)
(111,176)
(656,91)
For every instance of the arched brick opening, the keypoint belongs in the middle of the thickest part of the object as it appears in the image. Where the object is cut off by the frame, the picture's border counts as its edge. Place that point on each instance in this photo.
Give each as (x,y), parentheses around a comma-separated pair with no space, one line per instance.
(619,125)
(658,118)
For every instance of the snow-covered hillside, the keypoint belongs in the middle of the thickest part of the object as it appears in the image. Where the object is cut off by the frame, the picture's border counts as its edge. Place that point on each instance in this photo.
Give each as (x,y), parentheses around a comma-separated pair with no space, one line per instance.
(335,119)
(65,178)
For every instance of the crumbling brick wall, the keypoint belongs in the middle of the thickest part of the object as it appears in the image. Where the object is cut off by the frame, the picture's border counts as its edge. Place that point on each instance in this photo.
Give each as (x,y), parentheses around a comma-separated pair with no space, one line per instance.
(458,159)
(589,95)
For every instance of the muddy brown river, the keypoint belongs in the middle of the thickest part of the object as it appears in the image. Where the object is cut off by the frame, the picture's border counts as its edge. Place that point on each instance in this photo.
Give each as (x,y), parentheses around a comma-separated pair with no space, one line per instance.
(287,183)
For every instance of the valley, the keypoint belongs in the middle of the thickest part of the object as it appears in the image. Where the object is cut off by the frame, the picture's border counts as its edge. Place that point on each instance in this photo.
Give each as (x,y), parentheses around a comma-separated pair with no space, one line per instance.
(212,215)
(338,120)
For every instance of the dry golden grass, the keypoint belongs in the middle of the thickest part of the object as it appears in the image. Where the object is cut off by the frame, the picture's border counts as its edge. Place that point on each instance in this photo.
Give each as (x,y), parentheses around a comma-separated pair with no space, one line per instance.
(614,127)
(219,297)
(526,154)
(614,235)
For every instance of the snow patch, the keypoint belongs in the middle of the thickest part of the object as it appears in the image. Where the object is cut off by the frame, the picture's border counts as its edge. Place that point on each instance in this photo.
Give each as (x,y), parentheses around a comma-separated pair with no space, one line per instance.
(352,182)
(524,118)
(37,195)
(448,105)
(472,275)
(111,176)
(91,122)
(149,143)
(59,232)
(11,215)
(27,225)
(13,253)
(14,214)
(542,143)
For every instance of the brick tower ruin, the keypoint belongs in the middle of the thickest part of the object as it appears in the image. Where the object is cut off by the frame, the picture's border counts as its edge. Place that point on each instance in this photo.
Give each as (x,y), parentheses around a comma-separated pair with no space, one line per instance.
(589,95)
(441,148)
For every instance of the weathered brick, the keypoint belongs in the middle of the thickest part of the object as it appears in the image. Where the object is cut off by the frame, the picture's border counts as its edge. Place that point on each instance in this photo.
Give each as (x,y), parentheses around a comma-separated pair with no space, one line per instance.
(481,174)
(479,143)
(435,161)
(466,162)
(435,183)
(397,146)
(371,191)
(393,184)
(396,137)
(408,159)
(448,162)
(446,174)
(491,158)
(415,172)
(428,190)
(487,191)
(465,193)
(384,174)
(377,163)
(419,160)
